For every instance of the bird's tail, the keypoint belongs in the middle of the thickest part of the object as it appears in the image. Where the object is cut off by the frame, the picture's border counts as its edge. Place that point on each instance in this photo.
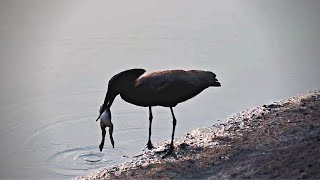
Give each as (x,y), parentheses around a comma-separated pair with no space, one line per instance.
(216,83)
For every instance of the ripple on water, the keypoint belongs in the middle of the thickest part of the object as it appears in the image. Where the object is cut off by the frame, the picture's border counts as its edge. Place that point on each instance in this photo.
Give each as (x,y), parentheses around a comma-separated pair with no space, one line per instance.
(78,161)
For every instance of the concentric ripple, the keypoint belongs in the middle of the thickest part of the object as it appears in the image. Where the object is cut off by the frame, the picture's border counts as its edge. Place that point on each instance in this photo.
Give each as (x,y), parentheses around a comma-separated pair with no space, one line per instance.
(78,161)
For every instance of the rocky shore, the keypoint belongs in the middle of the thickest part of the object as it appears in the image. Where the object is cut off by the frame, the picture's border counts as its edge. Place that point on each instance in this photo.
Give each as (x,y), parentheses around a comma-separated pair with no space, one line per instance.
(279,140)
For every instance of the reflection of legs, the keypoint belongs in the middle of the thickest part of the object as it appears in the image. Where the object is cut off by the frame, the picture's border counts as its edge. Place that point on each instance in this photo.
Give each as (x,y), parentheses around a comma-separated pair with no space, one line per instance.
(149,145)
(174,122)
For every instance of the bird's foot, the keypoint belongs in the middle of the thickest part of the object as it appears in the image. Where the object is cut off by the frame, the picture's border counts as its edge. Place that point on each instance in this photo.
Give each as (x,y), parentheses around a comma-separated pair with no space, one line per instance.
(149,145)
(170,152)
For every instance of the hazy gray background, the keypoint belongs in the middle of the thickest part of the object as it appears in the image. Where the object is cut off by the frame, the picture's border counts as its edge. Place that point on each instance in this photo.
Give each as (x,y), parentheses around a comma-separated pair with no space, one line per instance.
(57,57)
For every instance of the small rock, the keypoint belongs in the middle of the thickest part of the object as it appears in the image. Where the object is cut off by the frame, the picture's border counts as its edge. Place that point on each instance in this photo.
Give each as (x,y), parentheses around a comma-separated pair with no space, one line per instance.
(272,106)
(183,145)
(304,176)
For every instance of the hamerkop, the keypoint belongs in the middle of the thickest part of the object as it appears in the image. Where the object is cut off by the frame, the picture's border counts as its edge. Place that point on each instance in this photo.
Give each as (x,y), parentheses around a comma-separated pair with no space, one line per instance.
(161,88)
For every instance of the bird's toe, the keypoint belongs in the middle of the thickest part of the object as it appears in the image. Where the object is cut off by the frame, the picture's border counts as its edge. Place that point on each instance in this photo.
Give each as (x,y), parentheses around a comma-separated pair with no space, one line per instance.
(168,154)
(149,145)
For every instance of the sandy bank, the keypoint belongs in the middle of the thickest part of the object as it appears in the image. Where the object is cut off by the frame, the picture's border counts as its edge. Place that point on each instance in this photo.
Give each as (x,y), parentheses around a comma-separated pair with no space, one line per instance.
(279,140)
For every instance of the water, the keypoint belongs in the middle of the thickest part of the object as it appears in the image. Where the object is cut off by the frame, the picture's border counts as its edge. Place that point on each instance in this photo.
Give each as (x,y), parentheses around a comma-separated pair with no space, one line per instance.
(57,57)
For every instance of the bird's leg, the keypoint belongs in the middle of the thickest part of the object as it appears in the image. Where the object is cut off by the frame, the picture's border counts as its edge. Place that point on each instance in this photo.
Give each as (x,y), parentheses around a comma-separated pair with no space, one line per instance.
(149,145)
(171,148)
(174,122)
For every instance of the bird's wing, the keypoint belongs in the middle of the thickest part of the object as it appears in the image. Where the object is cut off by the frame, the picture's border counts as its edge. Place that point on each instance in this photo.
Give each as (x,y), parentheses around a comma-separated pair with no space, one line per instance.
(172,83)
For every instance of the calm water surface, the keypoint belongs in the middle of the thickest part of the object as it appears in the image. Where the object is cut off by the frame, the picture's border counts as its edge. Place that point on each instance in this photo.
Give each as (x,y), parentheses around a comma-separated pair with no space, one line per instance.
(57,57)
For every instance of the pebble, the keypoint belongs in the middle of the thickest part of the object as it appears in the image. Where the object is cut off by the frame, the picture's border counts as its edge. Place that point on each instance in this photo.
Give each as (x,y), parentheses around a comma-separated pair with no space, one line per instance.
(183,145)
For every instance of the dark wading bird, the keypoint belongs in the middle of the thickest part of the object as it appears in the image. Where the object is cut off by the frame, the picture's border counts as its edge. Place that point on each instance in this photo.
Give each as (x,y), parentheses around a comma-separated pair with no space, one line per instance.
(160,88)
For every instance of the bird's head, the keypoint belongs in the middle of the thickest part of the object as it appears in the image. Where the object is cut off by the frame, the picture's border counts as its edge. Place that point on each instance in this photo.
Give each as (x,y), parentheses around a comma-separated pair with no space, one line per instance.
(117,84)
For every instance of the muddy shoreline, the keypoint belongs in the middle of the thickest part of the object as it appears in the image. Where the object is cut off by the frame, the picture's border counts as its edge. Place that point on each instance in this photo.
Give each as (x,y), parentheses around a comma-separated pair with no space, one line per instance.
(279,140)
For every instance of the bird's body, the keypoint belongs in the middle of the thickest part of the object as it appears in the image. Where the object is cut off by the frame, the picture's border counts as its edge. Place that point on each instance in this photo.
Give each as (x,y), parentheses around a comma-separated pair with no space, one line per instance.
(161,88)
(167,88)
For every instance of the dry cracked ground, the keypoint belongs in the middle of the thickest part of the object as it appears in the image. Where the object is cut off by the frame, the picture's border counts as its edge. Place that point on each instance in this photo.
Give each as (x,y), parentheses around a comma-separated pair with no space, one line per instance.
(280,140)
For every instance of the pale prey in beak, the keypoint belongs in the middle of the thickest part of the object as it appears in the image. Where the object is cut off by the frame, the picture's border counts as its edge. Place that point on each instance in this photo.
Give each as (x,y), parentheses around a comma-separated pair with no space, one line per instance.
(105,121)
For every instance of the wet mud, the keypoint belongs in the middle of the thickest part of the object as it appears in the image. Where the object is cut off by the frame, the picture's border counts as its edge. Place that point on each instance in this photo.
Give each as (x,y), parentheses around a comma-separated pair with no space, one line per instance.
(279,140)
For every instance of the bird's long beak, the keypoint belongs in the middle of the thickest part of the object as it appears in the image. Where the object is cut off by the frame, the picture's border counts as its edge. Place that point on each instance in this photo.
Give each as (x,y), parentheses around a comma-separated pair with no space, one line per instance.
(98,118)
